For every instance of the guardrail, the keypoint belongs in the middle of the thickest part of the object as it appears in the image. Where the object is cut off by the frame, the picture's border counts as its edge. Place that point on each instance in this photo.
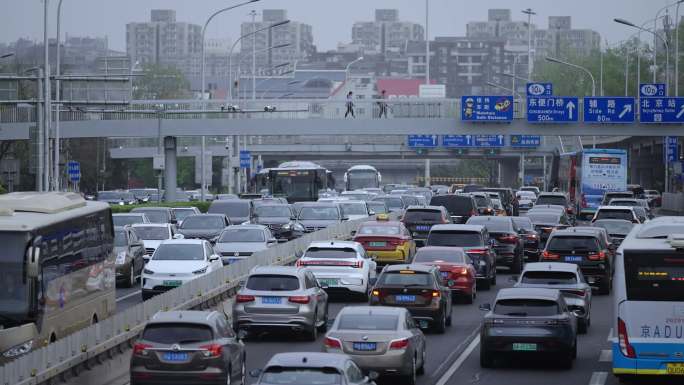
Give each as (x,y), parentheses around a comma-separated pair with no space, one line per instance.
(114,335)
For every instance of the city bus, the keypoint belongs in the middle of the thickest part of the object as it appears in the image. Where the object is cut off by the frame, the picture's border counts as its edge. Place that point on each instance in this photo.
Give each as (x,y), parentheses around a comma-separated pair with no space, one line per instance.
(299,181)
(360,177)
(588,174)
(57,268)
(648,301)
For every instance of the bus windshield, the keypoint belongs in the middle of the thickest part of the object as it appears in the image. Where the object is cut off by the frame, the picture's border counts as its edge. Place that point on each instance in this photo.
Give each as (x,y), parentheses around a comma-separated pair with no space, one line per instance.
(357,180)
(14,292)
(299,186)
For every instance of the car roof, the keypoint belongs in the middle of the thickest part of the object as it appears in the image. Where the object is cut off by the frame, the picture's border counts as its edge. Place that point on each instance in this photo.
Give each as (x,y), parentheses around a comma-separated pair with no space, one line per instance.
(381,223)
(128,214)
(551,266)
(370,310)
(141,209)
(160,225)
(189,316)
(435,208)
(615,208)
(441,248)
(309,360)
(575,232)
(473,228)
(333,244)
(277,270)
(247,226)
(414,266)
(183,241)
(528,293)
(553,194)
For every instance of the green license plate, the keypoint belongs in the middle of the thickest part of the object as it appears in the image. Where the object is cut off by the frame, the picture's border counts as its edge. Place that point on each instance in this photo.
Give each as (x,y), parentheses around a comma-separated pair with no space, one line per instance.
(173,283)
(525,347)
(328,282)
(377,244)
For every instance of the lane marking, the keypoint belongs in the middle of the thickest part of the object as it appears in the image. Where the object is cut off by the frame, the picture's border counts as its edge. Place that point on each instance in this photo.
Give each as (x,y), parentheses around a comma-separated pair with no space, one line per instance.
(598,378)
(457,364)
(127,296)
(456,350)
(610,335)
(606,356)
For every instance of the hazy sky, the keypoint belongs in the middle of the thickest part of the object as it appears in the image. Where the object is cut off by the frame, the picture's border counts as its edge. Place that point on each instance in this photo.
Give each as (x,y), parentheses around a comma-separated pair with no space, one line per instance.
(331,19)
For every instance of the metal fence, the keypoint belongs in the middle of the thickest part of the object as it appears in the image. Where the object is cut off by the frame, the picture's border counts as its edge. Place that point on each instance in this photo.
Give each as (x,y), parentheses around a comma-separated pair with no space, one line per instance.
(115,334)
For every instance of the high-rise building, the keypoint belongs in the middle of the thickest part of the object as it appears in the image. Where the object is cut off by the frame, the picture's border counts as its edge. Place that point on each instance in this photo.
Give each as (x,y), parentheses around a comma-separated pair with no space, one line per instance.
(298,35)
(386,34)
(561,40)
(499,25)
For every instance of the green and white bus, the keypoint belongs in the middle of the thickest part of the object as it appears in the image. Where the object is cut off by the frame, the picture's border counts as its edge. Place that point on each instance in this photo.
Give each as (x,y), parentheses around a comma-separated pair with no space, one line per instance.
(57,268)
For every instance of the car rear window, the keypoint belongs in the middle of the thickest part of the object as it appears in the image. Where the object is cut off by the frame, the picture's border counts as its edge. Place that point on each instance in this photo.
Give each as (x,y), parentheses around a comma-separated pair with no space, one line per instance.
(322,253)
(481,201)
(523,223)
(422,215)
(615,214)
(397,278)
(526,307)
(379,230)
(155,216)
(230,209)
(455,205)
(123,220)
(551,200)
(573,243)
(544,218)
(301,376)
(177,333)
(493,225)
(454,239)
(368,322)
(549,278)
(654,276)
(273,283)
(451,256)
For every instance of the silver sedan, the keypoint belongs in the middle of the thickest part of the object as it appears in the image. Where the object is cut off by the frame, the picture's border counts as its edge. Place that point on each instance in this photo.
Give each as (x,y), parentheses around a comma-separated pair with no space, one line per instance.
(379,339)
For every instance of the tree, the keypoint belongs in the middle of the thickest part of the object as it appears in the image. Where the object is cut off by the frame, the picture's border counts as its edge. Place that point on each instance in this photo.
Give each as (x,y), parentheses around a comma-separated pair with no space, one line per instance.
(161,82)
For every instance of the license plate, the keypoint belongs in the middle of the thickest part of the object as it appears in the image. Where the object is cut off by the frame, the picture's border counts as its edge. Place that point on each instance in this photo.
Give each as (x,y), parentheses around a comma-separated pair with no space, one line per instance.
(176,357)
(405,298)
(573,258)
(377,244)
(423,228)
(525,347)
(675,369)
(444,274)
(173,283)
(329,282)
(270,300)
(365,346)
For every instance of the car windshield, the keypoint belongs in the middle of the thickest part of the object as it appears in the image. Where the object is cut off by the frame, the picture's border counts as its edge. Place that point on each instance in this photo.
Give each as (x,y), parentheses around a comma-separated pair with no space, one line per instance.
(152,233)
(242,235)
(319,213)
(155,216)
(379,230)
(231,209)
(615,227)
(455,205)
(203,222)
(378,207)
(356,196)
(422,215)
(621,202)
(300,376)
(353,208)
(549,278)
(481,201)
(493,224)
(573,243)
(181,214)
(551,200)
(392,202)
(267,282)
(523,223)
(369,321)
(120,238)
(454,238)
(179,252)
(332,252)
(123,220)
(449,256)
(405,278)
(615,214)
(526,307)
(177,333)
(269,211)
(544,218)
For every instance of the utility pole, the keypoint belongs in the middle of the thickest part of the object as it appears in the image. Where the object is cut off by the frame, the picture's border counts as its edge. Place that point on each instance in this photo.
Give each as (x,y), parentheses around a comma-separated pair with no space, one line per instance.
(254,28)
(46,103)
(427,42)
(529,12)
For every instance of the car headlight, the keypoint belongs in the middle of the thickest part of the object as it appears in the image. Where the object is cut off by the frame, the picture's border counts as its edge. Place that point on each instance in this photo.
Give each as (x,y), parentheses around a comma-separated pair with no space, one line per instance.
(121,258)
(246,223)
(287,226)
(19,350)
(298,227)
(146,271)
(200,271)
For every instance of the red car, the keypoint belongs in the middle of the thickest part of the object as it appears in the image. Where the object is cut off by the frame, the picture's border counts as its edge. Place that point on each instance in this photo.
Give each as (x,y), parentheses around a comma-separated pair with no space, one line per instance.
(455,267)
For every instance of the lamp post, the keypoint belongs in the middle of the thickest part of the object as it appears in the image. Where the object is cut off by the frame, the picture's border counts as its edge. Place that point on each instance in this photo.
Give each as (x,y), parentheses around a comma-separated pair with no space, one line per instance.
(203,87)
(259,51)
(263,94)
(47,109)
(348,67)
(499,86)
(427,42)
(5,56)
(529,12)
(58,73)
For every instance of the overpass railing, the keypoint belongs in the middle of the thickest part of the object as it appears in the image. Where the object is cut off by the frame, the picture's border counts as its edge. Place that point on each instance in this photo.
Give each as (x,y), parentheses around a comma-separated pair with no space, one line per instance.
(113,335)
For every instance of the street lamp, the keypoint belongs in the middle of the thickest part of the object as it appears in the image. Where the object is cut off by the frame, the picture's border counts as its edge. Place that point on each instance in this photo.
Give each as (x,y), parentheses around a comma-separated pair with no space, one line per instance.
(254,74)
(346,70)
(290,83)
(529,12)
(593,81)
(499,86)
(657,35)
(5,56)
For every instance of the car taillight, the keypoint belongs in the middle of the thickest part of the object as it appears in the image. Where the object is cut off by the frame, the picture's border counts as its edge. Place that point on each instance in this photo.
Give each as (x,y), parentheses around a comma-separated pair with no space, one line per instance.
(375,293)
(473,213)
(299,263)
(597,257)
(508,239)
(213,350)
(244,298)
(626,348)
(396,242)
(436,294)
(569,210)
(303,299)
(332,343)
(357,265)
(460,271)
(477,251)
(549,255)
(399,344)
(532,237)
(140,349)
(579,293)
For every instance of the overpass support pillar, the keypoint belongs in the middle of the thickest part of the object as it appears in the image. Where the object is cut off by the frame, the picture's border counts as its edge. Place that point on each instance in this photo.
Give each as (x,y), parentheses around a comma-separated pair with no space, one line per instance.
(509,172)
(170,168)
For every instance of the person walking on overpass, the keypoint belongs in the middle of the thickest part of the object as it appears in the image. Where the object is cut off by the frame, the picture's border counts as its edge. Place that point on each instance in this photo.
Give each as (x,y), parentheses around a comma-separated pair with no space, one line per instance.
(350,105)
(383,104)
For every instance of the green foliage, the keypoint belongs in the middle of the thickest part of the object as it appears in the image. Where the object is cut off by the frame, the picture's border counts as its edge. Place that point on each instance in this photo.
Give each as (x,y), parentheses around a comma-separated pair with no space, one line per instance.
(202,206)
(161,82)
(2,190)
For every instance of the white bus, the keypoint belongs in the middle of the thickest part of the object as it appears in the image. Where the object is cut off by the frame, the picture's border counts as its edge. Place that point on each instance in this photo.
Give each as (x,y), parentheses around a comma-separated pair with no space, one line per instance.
(649,300)
(361,177)
(56,268)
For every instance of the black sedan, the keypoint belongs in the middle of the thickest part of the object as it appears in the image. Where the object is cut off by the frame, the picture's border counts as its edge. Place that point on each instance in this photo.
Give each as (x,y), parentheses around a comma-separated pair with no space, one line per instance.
(203,226)
(280,218)
(507,240)
(528,322)
(531,238)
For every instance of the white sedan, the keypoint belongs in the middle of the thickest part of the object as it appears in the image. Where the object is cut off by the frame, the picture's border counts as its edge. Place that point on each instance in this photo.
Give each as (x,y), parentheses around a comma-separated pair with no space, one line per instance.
(340,266)
(355,209)
(176,262)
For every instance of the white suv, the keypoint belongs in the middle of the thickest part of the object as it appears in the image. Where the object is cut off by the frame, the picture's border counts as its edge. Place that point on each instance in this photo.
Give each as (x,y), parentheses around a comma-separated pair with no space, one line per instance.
(616,212)
(342,266)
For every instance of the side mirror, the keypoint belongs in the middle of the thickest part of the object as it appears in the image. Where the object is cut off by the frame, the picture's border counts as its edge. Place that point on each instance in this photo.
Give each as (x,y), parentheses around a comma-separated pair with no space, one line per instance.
(345,218)
(486,307)
(255,373)
(173,221)
(371,212)
(214,258)
(513,279)
(33,257)
(353,233)
(179,236)
(272,241)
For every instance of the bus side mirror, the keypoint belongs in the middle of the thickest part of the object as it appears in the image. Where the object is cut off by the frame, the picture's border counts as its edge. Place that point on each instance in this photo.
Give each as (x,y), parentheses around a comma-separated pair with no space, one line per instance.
(33,258)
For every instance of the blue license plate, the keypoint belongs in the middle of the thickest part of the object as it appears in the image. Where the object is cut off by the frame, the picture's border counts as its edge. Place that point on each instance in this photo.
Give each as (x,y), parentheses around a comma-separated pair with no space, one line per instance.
(365,346)
(405,298)
(176,357)
(270,300)
(423,228)
(445,274)
(573,258)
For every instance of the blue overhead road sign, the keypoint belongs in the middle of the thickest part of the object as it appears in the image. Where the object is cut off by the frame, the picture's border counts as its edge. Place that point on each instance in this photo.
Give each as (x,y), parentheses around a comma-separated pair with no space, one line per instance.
(487,108)
(539,89)
(652,90)
(609,110)
(525,141)
(671,149)
(489,141)
(74,171)
(422,141)
(245,159)
(661,110)
(552,109)
(457,140)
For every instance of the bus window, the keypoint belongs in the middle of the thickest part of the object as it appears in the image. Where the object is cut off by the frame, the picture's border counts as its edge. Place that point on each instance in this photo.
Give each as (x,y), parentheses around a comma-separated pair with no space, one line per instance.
(654,276)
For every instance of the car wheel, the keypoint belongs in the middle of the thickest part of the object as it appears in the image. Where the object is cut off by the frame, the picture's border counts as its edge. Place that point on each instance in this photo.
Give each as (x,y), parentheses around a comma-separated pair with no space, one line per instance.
(421,369)
(440,326)
(516,267)
(448,318)
(324,326)
(471,298)
(582,326)
(243,371)
(411,377)
(229,376)
(130,282)
(312,333)
(486,360)
(493,281)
